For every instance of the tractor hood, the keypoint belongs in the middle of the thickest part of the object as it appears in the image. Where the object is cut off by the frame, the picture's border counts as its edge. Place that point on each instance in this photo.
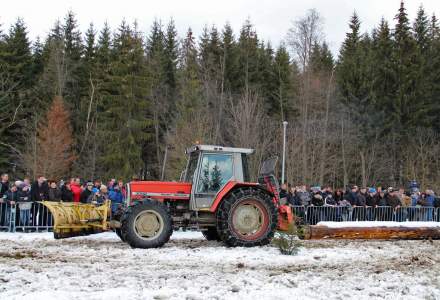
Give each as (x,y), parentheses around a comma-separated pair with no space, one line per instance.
(159,190)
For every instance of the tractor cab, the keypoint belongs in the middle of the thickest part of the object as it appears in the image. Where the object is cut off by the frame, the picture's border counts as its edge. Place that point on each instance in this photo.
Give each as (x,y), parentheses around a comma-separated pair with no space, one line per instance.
(210,168)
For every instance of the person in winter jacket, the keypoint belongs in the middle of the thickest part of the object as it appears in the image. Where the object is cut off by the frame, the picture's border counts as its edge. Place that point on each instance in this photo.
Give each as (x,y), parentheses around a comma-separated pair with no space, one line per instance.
(351,196)
(394,202)
(100,197)
(371,203)
(338,196)
(117,198)
(66,193)
(4,184)
(85,194)
(11,198)
(39,192)
(40,189)
(24,204)
(392,199)
(429,204)
(96,186)
(283,193)
(54,192)
(75,186)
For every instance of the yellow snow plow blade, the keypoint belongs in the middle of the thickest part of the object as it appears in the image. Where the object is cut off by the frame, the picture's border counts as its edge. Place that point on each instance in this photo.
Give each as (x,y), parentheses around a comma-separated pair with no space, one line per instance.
(75,219)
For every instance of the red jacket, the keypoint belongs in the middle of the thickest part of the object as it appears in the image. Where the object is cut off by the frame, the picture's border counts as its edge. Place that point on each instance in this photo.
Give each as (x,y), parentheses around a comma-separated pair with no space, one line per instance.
(76,191)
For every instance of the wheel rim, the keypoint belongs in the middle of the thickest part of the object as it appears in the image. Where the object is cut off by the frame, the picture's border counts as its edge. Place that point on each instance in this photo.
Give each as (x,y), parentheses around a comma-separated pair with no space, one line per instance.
(249,219)
(148,225)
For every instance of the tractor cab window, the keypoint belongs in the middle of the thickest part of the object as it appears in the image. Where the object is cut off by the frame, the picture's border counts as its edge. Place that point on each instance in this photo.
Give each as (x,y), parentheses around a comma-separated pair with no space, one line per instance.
(192,166)
(215,171)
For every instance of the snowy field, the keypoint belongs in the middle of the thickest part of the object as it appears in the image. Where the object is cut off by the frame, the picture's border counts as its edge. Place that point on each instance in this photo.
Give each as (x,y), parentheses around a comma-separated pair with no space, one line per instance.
(34,266)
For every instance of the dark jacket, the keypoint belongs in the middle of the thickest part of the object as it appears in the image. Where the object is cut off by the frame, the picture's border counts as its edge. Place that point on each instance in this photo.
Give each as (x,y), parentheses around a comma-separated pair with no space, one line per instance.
(39,193)
(294,199)
(361,199)
(381,201)
(4,187)
(66,195)
(12,196)
(317,199)
(351,197)
(24,196)
(54,194)
(393,201)
(85,195)
(99,198)
(372,200)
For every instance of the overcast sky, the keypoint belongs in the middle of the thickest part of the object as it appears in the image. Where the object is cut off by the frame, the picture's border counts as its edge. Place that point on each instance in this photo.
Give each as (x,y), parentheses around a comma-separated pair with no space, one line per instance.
(271,18)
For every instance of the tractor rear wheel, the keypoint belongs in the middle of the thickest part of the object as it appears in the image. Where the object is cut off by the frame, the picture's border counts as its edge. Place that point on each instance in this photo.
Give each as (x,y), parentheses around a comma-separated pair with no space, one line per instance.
(211,234)
(247,217)
(146,224)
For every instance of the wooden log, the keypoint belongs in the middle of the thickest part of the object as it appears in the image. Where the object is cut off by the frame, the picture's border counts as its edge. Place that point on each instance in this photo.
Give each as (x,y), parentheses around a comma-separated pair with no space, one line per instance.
(315,232)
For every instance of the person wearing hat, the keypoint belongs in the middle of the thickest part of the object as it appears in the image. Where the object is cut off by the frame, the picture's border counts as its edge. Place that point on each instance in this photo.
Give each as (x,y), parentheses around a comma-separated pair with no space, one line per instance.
(371,203)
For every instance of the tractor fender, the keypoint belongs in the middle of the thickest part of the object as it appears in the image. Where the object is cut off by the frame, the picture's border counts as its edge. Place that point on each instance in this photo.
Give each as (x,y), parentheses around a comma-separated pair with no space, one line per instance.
(231,185)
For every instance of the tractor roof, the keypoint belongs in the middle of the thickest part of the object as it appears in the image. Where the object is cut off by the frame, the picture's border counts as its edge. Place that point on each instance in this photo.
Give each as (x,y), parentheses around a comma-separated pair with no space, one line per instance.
(212,148)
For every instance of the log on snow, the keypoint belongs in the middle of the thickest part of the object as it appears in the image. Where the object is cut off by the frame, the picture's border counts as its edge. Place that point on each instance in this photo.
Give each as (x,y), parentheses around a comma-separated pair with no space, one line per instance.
(315,232)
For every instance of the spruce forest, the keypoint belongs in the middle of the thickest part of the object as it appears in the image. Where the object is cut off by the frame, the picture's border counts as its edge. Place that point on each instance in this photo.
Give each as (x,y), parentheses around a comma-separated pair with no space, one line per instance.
(121,103)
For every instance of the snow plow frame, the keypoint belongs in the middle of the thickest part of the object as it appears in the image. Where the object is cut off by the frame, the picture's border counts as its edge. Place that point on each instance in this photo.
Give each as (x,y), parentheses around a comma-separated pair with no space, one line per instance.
(74,219)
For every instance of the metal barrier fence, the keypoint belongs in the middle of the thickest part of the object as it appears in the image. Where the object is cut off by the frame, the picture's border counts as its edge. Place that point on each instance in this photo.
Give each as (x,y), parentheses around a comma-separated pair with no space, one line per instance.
(25,216)
(314,214)
(36,217)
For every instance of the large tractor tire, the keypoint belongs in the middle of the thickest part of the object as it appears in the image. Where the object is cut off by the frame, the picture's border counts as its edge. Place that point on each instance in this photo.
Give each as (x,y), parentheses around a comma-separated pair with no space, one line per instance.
(146,224)
(119,234)
(247,217)
(211,234)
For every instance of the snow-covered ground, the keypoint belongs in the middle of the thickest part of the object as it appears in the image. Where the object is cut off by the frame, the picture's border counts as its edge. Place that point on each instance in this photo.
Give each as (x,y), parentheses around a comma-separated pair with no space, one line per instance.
(34,266)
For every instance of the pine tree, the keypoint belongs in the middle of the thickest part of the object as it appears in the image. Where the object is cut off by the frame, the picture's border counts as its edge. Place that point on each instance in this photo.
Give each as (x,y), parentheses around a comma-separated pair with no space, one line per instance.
(321,59)
(171,50)
(267,77)
(230,60)
(90,47)
(421,30)
(15,91)
(75,73)
(248,54)
(350,68)
(433,73)
(285,78)
(383,76)
(125,120)
(407,110)
(103,51)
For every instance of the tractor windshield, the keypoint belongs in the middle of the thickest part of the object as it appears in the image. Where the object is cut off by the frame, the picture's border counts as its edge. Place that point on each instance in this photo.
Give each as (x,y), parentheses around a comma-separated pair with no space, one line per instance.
(192,166)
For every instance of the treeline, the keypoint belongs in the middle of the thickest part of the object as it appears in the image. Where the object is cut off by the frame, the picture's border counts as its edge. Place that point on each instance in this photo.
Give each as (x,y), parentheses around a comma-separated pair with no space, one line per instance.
(136,100)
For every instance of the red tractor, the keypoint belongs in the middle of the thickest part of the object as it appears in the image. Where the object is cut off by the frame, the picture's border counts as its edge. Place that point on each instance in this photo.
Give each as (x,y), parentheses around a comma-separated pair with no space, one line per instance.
(215,195)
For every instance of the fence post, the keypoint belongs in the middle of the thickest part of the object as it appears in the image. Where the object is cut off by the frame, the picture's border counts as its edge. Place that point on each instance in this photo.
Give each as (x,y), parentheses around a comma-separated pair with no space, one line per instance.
(12,217)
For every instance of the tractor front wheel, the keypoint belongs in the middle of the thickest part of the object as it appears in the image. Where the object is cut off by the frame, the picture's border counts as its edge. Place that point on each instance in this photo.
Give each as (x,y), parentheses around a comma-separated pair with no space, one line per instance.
(247,217)
(146,224)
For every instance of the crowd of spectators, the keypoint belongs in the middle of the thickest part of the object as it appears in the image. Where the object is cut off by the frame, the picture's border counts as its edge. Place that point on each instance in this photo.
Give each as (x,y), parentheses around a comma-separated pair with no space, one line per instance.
(362,204)
(22,197)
